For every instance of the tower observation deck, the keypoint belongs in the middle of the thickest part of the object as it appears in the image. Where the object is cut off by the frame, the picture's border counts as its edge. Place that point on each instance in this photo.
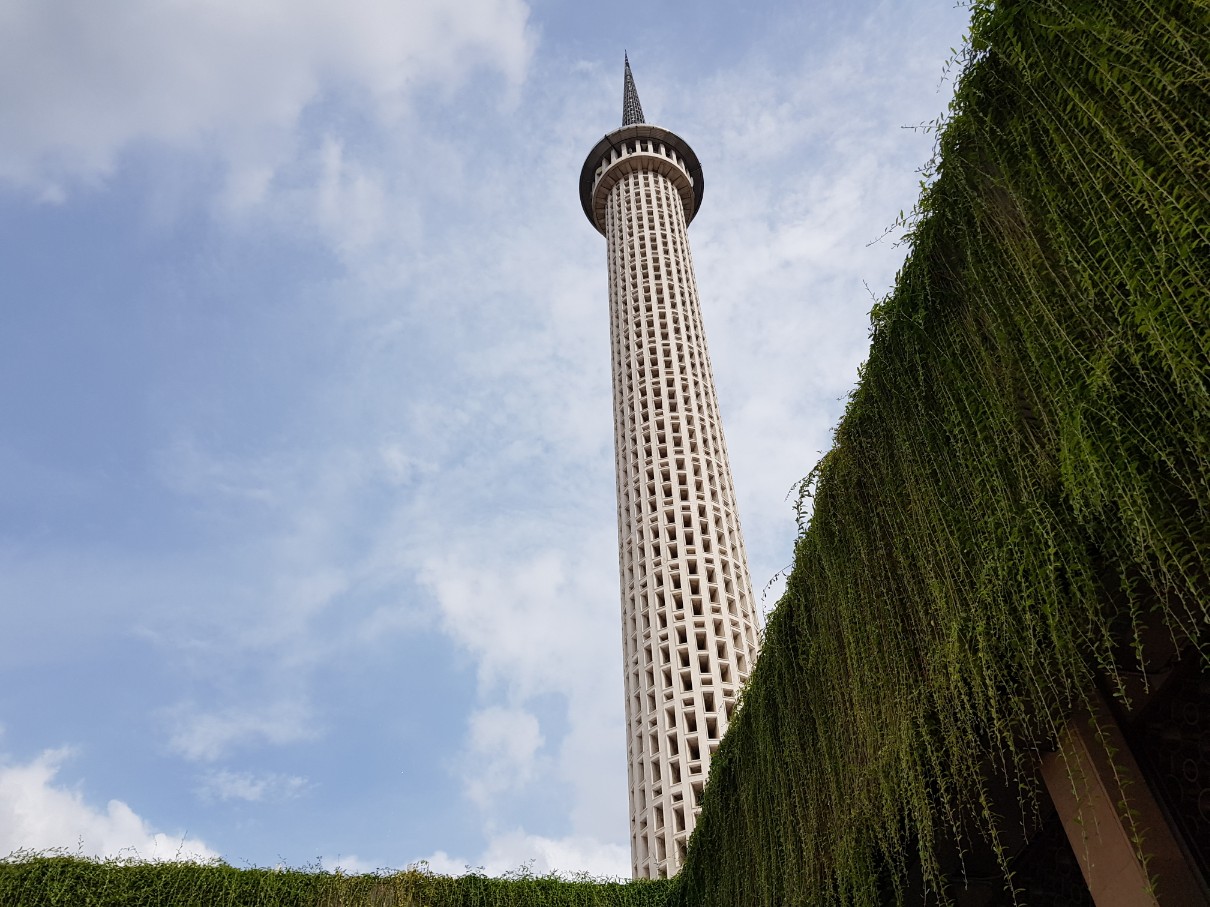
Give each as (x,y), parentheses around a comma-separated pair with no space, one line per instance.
(689,623)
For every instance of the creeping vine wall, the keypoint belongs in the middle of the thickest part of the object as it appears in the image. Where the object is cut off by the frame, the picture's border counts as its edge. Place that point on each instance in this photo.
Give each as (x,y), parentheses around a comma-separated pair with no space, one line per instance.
(1019,493)
(1019,490)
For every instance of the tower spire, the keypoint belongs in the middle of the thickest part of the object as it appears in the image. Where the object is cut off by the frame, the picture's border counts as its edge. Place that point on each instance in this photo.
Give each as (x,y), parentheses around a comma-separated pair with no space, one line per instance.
(632,110)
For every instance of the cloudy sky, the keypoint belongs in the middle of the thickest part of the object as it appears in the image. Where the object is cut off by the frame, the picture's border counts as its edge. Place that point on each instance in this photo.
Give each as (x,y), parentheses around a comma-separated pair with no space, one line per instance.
(307,531)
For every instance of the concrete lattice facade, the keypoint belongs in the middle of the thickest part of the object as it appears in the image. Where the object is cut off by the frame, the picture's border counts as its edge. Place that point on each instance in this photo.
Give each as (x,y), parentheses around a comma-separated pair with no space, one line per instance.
(688,618)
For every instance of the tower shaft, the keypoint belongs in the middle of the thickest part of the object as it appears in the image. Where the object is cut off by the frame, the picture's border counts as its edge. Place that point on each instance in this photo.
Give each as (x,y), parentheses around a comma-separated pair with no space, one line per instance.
(689,634)
(689,623)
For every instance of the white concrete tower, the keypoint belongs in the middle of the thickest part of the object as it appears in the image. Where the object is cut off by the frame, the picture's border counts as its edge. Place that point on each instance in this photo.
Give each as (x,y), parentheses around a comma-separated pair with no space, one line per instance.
(689,625)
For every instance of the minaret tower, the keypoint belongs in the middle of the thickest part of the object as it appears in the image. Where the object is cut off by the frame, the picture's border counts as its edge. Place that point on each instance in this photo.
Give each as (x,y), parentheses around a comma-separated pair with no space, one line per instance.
(689,625)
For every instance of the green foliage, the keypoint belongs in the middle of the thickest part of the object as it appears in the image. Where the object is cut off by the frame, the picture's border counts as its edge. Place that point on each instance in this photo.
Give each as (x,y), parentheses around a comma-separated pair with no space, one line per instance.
(28,880)
(1020,484)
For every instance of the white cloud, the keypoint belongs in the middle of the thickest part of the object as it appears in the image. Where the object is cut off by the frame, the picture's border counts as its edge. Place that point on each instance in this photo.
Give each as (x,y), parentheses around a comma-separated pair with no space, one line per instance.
(531,613)
(209,735)
(350,198)
(541,620)
(186,468)
(503,747)
(401,468)
(223,784)
(37,814)
(515,850)
(349,864)
(288,516)
(82,82)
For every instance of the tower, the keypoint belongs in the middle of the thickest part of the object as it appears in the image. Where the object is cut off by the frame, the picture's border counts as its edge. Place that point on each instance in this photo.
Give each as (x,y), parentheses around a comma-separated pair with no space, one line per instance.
(689,624)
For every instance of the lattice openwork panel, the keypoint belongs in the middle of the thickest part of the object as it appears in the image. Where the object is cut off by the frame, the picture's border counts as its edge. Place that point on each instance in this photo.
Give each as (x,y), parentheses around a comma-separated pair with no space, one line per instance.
(689,621)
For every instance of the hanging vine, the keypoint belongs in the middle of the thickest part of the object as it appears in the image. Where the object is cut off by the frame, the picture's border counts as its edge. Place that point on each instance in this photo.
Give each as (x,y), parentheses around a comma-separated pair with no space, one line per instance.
(1021,479)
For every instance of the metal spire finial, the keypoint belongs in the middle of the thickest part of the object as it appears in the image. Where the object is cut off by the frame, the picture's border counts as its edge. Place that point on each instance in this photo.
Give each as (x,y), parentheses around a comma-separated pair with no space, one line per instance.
(632,110)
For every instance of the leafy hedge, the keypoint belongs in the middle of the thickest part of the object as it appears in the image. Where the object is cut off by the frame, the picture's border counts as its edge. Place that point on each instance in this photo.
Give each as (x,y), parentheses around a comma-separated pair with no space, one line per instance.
(41,881)
(1020,483)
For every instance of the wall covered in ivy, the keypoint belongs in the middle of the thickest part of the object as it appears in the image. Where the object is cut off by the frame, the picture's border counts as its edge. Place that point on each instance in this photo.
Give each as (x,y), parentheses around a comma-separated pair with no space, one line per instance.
(1020,487)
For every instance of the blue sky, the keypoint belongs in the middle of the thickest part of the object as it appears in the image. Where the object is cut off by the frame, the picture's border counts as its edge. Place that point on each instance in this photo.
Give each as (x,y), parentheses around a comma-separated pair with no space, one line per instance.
(307,531)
